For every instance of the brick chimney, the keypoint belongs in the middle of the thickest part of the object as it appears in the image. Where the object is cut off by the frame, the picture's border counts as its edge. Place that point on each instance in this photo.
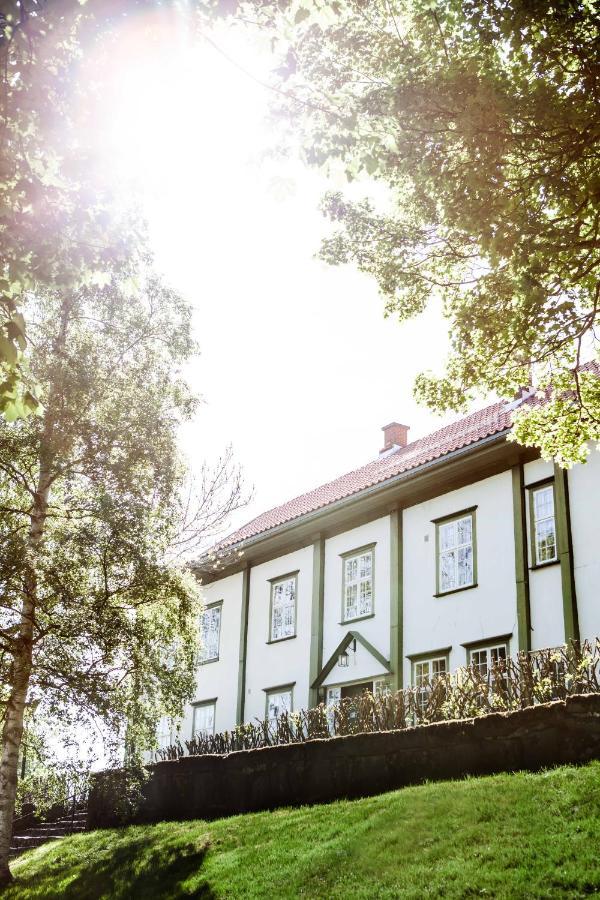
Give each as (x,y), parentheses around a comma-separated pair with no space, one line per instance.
(394,435)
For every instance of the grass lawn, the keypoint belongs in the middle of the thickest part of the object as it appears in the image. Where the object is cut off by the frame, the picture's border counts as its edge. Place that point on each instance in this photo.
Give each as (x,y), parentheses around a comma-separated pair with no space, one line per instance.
(520,835)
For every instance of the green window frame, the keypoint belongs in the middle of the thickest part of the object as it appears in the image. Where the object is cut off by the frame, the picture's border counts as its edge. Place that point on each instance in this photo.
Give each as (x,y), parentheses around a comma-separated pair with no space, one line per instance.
(199,711)
(211,619)
(277,694)
(358,583)
(543,535)
(283,607)
(455,552)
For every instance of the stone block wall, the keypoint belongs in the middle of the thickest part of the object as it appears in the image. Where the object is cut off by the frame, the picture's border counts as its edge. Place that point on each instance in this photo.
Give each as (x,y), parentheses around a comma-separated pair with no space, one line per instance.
(566,731)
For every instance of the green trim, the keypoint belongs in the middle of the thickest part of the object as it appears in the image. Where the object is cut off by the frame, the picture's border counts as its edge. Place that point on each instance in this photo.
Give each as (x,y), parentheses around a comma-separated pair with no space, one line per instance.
(316,617)
(285,577)
(487,645)
(274,582)
(429,654)
(289,637)
(350,554)
(396,599)
(467,587)
(370,615)
(429,657)
(544,565)
(357,550)
(455,515)
(343,644)
(541,482)
(532,488)
(241,692)
(521,567)
(488,642)
(443,520)
(280,689)
(565,553)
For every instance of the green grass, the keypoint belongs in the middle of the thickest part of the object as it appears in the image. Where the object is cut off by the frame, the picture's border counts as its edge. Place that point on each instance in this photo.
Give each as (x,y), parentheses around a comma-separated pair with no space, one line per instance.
(520,835)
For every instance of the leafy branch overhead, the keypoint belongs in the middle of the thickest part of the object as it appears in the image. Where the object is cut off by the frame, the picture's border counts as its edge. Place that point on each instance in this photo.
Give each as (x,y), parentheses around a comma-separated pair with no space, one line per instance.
(482,119)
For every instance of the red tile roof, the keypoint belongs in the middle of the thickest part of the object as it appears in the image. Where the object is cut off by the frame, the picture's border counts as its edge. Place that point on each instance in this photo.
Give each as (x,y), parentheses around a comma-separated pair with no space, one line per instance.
(491,420)
(468,430)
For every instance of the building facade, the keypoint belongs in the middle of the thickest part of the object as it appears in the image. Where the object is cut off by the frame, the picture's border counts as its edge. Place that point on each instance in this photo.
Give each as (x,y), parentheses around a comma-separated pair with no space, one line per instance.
(458,548)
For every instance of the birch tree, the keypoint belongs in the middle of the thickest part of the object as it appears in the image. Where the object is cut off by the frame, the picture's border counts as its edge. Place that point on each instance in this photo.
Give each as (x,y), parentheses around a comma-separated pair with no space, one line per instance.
(97,616)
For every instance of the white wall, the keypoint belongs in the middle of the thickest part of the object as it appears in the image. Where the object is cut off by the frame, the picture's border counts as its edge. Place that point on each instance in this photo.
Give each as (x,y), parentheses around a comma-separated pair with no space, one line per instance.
(282,662)
(220,678)
(584,495)
(485,611)
(375,629)
(545,587)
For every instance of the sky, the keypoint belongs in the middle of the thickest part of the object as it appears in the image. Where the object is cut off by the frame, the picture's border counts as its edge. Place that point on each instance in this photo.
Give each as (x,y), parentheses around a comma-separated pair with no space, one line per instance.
(298,368)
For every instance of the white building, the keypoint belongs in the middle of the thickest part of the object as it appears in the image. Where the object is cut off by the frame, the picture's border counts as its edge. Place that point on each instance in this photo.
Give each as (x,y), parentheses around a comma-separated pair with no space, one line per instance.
(460,547)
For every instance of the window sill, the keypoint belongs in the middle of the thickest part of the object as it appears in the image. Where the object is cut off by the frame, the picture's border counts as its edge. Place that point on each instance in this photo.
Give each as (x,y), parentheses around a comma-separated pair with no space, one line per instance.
(467,587)
(544,565)
(288,637)
(357,619)
(207,662)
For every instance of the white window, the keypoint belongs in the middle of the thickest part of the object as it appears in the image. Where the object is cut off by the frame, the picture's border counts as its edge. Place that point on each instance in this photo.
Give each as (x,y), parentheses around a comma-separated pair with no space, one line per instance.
(165,733)
(544,526)
(210,633)
(381,687)
(425,673)
(456,557)
(485,659)
(334,695)
(278,702)
(358,585)
(203,723)
(283,608)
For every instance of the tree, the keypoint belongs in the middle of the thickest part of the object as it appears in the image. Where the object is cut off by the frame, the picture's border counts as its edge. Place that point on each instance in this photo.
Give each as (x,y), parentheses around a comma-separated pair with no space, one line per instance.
(482,118)
(97,618)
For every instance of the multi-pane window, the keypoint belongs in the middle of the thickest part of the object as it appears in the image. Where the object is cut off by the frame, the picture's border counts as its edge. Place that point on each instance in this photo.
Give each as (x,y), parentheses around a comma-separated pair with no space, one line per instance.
(358,585)
(425,672)
(203,723)
(210,632)
(283,608)
(486,659)
(278,702)
(456,568)
(381,687)
(165,734)
(543,525)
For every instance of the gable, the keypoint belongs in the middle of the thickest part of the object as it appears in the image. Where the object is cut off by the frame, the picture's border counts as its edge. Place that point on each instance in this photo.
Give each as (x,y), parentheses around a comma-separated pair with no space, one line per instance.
(365,662)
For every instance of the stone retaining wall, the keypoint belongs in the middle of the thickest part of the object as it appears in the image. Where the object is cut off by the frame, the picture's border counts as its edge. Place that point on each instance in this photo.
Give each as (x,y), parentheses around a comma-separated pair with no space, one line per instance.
(566,731)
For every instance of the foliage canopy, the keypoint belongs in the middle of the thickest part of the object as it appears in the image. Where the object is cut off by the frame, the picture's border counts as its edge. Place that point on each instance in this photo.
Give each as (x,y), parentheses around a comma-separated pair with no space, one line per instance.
(482,118)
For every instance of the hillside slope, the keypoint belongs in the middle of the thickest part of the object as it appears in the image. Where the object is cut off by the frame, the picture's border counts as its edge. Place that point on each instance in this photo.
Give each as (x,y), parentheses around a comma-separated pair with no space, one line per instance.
(520,835)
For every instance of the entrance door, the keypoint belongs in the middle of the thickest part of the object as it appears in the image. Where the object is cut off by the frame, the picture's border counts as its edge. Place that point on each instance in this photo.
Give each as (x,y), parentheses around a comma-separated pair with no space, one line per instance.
(350,691)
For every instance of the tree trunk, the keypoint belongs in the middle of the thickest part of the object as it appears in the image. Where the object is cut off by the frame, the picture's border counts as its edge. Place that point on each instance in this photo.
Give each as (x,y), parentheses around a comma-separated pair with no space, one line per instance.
(12,732)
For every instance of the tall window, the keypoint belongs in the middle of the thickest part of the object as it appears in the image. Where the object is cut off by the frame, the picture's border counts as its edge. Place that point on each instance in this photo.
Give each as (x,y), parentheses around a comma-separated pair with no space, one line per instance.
(165,734)
(283,607)
(543,525)
(203,722)
(278,702)
(210,633)
(425,672)
(358,584)
(456,553)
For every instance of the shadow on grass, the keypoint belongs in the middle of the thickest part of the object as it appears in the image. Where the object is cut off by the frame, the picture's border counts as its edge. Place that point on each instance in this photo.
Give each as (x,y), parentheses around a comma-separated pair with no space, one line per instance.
(131,870)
